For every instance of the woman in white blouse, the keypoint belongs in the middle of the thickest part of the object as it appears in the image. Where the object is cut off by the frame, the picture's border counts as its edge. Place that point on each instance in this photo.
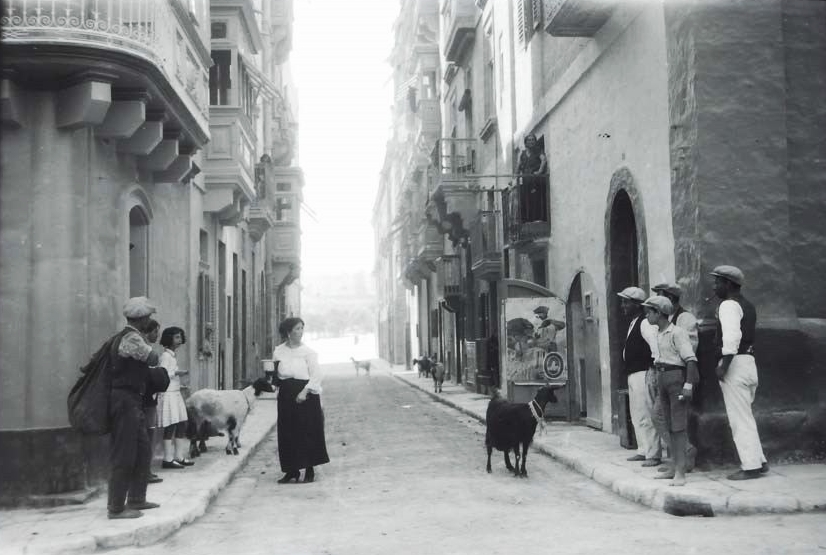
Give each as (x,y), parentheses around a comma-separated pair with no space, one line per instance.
(300,426)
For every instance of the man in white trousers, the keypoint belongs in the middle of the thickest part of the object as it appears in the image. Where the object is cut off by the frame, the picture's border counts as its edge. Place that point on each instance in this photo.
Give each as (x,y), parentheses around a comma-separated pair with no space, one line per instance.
(737,371)
(638,355)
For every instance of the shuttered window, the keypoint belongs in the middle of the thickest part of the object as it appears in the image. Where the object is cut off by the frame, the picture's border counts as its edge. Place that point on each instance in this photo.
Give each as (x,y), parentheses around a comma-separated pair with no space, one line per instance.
(206,312)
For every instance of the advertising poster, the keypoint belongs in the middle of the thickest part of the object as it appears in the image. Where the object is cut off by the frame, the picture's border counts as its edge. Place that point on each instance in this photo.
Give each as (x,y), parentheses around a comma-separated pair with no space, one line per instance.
(536,340)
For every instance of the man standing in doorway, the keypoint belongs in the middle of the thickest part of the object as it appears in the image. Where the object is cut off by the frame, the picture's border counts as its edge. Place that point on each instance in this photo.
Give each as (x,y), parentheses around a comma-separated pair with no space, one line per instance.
(687,321)
(737,370)
(640,342)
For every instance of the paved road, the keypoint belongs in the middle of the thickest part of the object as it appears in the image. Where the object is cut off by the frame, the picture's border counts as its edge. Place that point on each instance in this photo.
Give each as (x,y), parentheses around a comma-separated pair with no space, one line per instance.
(407,477)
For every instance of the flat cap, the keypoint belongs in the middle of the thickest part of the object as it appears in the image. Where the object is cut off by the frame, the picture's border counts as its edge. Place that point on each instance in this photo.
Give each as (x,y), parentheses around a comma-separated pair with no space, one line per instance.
(659,303)
(670,288)
(731,273)
(540,310)
(633,293)
(138,307)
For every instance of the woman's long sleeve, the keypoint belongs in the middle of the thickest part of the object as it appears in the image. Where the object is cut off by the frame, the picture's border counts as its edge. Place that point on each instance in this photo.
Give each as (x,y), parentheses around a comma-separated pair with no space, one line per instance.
(315,373)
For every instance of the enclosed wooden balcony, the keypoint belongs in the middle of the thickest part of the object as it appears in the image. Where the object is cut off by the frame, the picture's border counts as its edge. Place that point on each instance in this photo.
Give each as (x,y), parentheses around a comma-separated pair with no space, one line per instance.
(486,246)
(525,207)
(229,162)
(577,18)
(454,185)
(458,28)
(449,272)
(430,242)
(259,219)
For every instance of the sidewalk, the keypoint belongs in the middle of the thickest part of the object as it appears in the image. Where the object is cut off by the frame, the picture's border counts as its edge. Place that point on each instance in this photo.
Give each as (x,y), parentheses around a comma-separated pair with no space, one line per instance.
(184,495)
(598,455)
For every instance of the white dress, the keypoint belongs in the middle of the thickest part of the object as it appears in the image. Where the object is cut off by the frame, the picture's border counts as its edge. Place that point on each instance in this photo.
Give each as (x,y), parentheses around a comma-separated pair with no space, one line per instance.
(171,406)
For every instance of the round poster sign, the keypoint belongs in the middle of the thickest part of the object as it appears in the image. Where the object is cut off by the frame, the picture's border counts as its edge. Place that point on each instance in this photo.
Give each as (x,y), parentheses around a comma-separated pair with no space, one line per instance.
(553,367)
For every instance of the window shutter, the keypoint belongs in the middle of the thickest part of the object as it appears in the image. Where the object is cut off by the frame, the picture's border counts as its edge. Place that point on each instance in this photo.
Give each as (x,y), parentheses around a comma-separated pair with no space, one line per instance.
(520,21)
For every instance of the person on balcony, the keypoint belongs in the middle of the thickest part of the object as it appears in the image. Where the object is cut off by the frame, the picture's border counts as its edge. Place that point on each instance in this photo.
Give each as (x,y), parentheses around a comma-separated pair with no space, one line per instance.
(533,191)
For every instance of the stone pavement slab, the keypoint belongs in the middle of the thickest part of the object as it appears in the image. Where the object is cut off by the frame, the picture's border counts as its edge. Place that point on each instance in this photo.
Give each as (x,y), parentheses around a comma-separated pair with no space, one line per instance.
(598,455)
(184,495)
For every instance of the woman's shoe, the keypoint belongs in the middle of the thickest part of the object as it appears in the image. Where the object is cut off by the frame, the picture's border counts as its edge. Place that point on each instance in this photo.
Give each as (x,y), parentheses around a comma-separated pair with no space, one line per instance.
(185,462)
(309,475)
(287,477)
(173,464)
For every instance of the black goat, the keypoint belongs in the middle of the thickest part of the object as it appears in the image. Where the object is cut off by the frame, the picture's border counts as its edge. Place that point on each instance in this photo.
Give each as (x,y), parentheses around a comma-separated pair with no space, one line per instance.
(511,425)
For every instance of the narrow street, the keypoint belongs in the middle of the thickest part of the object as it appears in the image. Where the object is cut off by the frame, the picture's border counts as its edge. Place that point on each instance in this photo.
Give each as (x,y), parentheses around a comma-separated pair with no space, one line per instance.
(407,477)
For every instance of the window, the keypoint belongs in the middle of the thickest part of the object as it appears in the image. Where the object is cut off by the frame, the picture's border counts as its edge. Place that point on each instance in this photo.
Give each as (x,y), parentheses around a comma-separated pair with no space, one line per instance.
(204,247)
(429,85)
(490,91)
(220,78)
(138,252)
(206,312)
(501,69)
(539,273)
(218,30)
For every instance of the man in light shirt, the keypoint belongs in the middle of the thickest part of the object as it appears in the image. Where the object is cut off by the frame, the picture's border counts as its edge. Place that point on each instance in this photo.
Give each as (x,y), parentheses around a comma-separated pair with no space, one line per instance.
(686,320)
(736,369)
(640,342)
(675,368)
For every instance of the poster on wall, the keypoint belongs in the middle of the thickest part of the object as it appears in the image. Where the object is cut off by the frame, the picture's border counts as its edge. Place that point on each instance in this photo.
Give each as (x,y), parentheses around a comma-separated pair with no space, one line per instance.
(536,341)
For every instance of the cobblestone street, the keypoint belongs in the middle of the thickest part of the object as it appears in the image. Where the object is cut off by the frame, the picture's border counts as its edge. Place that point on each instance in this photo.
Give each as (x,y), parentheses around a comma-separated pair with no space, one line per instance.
(407,476)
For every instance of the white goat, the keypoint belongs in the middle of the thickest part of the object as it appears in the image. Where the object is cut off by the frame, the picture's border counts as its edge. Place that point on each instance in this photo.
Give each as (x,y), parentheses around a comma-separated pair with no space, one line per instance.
(224,410)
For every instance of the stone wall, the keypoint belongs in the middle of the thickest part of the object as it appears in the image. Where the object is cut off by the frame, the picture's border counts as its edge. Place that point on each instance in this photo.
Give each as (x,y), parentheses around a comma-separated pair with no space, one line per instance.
(743,79)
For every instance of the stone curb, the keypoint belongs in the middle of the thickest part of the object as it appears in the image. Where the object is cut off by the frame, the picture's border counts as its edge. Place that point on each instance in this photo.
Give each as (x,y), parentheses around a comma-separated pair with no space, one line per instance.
(674,501)
(150,529)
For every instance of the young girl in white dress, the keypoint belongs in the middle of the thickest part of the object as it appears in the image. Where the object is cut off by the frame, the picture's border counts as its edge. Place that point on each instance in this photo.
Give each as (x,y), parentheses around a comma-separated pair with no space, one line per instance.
(171,407)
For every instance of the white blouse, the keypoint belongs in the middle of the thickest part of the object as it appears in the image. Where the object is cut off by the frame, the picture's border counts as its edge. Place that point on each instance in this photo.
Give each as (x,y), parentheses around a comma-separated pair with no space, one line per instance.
(300,363)
(169,361)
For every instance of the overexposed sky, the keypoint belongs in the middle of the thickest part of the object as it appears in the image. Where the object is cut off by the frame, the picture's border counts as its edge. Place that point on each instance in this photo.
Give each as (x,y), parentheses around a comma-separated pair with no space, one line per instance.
(339,65)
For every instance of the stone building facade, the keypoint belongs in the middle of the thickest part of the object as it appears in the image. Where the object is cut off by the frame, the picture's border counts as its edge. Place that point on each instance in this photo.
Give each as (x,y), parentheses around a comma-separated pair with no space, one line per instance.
(678,136)
(148,148)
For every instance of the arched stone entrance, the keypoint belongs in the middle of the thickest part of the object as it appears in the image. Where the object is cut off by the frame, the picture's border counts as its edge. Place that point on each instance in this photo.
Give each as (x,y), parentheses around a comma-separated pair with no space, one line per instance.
(584,352)
(625,265)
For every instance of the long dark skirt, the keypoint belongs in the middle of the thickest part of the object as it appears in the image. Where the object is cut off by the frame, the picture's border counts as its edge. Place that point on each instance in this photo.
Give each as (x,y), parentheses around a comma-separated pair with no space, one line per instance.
(300,428)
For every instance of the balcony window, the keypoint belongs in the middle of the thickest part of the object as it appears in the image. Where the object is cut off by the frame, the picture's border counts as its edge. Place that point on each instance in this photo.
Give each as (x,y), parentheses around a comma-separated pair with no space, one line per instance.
(218,30)
(220,78)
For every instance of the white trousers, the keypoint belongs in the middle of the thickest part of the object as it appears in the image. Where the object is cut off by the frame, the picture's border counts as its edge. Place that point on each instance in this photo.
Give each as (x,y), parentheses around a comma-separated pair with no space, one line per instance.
(739,386)
(648,440)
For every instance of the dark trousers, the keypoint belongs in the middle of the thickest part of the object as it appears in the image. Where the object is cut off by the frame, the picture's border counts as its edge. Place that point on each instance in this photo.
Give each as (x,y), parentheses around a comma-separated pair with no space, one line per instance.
(129,451)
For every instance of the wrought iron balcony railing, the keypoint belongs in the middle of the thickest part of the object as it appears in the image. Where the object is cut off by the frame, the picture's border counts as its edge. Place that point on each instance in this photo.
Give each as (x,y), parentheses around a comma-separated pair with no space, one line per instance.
(454,158)
(525,208)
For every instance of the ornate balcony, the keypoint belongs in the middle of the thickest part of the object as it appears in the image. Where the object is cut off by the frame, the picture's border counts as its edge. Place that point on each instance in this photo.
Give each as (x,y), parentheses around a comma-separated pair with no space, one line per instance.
(576,18)
(148,45)
(458,28)
(449,272)
(486,246)
(525,210)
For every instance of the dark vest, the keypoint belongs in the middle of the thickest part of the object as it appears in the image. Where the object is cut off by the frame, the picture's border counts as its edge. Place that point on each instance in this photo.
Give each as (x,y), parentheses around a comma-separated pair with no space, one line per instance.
(676,315)
(637,350)
(128,373)
(747,327)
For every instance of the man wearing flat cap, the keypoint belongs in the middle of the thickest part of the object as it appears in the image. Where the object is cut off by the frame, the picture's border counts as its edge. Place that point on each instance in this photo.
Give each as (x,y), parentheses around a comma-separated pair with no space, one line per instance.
(640,343)
(130,449)
(737,370)
(675,374)
(545,332)
(687,321)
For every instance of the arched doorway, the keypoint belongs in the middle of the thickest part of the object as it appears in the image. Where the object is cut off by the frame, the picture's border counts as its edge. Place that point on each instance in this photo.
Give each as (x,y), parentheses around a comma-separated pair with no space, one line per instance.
(584,353)
(138,252)
(625,265)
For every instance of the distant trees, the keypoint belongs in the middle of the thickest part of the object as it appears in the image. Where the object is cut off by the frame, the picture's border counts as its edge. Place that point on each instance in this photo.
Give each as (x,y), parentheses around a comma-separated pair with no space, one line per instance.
(337,305)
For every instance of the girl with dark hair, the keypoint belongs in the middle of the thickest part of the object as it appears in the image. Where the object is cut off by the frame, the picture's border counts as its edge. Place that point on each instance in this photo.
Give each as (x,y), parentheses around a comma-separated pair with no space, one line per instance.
(300,425)
(171,407)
